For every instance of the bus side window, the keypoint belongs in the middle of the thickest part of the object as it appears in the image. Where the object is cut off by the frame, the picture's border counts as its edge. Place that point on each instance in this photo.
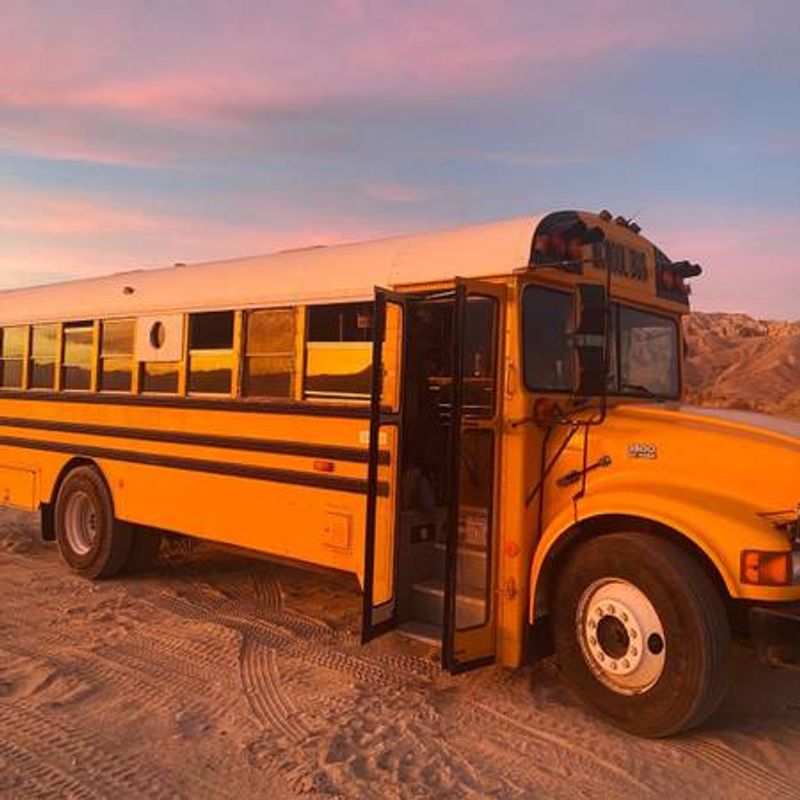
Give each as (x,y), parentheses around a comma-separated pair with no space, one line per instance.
(76,371)
(160,377)
(44,352)
(339,352)
(116,355)
(12,355)
(269,360)
(211,352)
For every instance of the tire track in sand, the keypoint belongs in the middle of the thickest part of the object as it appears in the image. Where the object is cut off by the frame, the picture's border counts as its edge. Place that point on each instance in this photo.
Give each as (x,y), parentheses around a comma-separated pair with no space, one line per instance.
(38,779)
(69,763)
(492,715)
(265,695)
(744,771)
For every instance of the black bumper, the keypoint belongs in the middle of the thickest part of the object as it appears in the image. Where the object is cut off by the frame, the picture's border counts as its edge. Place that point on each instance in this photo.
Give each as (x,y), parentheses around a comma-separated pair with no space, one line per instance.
(775,632)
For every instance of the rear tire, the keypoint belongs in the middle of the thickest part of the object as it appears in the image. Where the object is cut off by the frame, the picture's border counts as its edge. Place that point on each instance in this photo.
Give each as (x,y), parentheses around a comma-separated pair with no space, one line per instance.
(145,544)
(91,541)
(641,634)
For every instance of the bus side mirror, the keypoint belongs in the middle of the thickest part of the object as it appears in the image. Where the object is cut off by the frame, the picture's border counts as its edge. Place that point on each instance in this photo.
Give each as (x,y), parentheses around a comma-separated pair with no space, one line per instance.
(589,341)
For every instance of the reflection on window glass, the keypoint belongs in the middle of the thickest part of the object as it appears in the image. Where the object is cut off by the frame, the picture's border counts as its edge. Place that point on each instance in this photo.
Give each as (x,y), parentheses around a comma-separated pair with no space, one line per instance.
(269,365)
(479,355)
(211,352)
(76,370)
(160,377)
(117,337)
(116,355)
(12,354)
(547,319)
(647,353)
(210,372)
(44,347)
(339,351)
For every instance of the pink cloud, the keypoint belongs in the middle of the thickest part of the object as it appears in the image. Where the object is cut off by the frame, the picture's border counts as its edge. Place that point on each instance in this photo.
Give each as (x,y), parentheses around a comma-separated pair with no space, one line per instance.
(749,261)
(153,67)
(60,235)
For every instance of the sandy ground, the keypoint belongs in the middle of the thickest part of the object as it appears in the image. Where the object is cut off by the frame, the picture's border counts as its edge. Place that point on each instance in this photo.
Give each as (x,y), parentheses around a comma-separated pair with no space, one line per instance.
(220,676)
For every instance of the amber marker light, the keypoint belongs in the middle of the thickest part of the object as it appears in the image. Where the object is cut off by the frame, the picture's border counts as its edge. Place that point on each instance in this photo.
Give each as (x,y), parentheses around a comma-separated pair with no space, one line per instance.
(769,568)
(324,466)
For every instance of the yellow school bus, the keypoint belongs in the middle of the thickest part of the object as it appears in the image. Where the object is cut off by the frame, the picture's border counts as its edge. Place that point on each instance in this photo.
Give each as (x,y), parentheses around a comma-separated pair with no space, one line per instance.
(492,441)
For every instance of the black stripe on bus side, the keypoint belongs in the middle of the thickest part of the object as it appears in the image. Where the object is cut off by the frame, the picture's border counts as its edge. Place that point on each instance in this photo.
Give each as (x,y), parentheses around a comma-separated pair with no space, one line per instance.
(339,484)
(201,403)
(333,452)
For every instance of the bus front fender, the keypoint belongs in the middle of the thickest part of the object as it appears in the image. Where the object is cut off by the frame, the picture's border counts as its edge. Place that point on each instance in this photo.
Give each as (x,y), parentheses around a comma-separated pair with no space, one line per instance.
(716,525)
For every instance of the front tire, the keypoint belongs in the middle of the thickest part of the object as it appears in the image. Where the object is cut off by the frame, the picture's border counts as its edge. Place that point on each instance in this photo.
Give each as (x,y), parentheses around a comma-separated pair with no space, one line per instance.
(641,633)
(91,541)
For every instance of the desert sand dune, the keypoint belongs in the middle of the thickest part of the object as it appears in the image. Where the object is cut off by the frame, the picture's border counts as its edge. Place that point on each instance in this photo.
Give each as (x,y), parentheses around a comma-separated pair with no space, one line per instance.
(217,676)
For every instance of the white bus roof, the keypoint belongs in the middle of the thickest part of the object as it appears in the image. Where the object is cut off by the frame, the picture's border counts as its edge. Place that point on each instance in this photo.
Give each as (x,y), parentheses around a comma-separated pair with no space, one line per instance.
(313,275)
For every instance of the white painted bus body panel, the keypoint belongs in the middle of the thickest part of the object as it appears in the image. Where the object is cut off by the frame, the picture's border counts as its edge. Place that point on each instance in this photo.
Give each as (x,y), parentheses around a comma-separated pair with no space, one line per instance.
(305,276)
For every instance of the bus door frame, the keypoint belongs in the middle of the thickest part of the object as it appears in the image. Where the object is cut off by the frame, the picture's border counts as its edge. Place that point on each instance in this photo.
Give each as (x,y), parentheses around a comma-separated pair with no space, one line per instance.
(463,650)
(377,619)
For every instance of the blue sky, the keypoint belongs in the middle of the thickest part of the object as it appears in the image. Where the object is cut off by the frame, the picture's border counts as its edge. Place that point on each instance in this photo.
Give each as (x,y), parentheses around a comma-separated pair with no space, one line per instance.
(137,134)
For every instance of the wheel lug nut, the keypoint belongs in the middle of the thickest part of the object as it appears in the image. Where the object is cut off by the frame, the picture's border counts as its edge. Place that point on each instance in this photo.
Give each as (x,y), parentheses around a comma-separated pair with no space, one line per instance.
(611,609)
(626,663)
(613,665)
(624,617)
(632,633)
(601,656)
(634,652)
(592,641)
(592,623)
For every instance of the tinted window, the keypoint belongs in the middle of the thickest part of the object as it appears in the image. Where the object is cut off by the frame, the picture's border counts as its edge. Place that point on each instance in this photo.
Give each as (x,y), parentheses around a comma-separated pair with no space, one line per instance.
(116,355)
(160,377)
(210,373)
(480,346)
(211,352)
(269,365)
(211,331)
(347,322)
(12,354)
(12,342)
(339,351)
(77,367)
(11,373)
(547,319)
(44,347)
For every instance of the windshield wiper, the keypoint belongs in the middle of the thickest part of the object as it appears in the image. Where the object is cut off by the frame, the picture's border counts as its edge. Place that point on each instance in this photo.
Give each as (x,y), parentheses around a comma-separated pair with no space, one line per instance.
(637,387)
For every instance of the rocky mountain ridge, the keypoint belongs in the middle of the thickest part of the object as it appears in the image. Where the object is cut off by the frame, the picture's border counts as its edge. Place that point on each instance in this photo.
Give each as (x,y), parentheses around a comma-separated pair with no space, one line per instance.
(735,361)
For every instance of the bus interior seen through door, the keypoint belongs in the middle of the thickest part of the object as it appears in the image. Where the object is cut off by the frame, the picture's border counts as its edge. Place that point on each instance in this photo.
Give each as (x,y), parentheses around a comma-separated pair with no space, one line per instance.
(425,467)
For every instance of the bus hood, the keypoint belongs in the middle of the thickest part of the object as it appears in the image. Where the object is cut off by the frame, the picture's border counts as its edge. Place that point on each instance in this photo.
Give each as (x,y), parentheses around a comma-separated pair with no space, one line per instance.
(746,424)
(754,458)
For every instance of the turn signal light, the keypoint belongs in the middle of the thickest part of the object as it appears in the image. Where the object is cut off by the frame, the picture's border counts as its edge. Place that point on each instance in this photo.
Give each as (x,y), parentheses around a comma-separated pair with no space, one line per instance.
(768,568)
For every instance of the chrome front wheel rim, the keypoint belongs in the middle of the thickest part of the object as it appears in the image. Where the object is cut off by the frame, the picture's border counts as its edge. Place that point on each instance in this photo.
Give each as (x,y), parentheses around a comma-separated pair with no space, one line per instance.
(621,636)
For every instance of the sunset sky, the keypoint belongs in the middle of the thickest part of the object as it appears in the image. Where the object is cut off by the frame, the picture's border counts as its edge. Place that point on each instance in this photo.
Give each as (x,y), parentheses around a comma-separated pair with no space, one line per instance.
(137,134)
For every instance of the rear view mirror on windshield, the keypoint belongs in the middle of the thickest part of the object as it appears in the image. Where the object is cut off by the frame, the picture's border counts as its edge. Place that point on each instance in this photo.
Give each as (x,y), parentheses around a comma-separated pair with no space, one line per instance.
(589,341)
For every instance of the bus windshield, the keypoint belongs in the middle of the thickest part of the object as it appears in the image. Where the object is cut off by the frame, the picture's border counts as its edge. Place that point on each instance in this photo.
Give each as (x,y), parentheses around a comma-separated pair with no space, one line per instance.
(644,357)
